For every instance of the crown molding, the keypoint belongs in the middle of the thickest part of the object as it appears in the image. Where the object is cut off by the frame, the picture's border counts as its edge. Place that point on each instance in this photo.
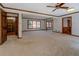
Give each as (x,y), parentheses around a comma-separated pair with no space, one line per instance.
(69,14)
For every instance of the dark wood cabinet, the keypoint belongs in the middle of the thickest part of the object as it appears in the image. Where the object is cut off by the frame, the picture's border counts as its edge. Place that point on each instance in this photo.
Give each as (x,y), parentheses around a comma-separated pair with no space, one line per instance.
(3,27)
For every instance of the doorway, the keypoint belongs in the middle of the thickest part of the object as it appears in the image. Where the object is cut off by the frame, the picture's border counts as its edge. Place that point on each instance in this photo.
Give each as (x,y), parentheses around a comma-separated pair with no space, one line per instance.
(8,25)
(12,25)
(67,25)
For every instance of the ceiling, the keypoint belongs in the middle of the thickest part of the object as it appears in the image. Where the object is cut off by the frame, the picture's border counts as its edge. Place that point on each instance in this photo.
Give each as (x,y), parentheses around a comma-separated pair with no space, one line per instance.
(41,7)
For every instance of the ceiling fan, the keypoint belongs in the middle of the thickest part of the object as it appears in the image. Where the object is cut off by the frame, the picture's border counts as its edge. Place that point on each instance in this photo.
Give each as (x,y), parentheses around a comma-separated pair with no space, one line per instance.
(58,6)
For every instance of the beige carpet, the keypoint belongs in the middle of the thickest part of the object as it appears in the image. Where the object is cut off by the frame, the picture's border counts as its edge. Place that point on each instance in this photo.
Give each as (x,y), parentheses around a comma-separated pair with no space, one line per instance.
(41,43)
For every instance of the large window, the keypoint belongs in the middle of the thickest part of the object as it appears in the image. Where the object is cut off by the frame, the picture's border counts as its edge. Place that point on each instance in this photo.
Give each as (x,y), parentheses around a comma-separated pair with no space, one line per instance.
(33,24)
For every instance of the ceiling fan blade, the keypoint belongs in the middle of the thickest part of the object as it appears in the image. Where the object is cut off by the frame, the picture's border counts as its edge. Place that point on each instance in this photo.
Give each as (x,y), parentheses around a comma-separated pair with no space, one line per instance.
(64,7)
(61,4)
(54,10)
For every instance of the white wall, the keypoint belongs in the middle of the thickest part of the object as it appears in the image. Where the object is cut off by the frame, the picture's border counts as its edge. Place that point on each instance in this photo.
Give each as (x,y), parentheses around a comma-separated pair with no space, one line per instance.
(57,24)
(75,24)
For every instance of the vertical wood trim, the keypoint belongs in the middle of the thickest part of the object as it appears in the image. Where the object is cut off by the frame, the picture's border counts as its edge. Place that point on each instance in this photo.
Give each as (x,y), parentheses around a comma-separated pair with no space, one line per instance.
(62,25)
(0,26)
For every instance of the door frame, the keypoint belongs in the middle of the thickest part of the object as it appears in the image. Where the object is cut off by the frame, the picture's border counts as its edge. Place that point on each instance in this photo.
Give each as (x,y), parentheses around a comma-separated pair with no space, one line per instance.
(63,23)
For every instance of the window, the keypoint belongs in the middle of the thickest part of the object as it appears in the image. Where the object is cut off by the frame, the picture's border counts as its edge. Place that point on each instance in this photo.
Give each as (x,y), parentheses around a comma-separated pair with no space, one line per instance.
(38,24)
(32,24)
(49,25)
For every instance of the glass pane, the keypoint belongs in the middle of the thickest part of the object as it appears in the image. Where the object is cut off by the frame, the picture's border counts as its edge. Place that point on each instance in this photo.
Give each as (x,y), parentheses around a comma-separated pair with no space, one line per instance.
(38,24)
(30,24)
(65,23)
(34,24)
(48,24)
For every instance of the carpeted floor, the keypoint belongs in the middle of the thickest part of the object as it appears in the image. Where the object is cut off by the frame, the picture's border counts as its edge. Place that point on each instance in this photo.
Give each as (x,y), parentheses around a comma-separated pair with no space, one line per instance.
(41,43)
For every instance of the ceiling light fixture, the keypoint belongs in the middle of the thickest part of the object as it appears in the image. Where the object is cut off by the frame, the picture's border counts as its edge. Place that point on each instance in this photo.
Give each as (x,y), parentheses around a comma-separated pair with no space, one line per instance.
(70,10)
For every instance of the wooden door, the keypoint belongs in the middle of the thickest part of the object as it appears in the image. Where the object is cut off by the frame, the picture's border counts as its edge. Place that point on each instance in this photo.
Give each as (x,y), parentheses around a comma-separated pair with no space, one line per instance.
(3,27)
(67,25)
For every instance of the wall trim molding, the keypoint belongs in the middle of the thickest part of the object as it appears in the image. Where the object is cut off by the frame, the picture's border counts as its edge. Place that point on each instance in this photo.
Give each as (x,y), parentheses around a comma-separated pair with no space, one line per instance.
(36,30)
(75,35)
